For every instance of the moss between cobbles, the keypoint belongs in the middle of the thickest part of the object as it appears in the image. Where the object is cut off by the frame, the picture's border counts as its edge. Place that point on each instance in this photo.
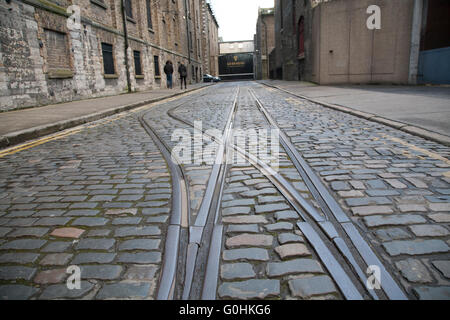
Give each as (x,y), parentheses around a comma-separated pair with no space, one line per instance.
(284,289)
(15,264)
(18,281)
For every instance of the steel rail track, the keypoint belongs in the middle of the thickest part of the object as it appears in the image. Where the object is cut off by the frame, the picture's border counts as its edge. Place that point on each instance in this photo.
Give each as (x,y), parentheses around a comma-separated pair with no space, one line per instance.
(321,231)
(299,203)
(333,210)
(210,203)
(179,220)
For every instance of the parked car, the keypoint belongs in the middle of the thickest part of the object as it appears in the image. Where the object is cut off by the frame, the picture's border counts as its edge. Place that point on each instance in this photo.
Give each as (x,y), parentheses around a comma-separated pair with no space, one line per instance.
(210,78)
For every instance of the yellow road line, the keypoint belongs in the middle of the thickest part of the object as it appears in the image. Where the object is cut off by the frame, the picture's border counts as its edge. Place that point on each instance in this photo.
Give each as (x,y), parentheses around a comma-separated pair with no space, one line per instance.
(28,145)
(421,150)
(35,143)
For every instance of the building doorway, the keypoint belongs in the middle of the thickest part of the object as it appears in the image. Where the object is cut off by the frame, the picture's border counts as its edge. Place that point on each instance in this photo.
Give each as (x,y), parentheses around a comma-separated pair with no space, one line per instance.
(434,57)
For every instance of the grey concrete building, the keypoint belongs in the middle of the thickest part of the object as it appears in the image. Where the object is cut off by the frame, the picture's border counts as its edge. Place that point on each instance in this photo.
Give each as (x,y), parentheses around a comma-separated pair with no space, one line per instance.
(336,41)
(264,42)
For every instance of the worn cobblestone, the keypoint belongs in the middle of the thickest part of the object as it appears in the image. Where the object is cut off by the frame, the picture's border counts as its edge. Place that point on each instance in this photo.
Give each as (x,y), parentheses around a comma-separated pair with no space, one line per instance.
(108,189)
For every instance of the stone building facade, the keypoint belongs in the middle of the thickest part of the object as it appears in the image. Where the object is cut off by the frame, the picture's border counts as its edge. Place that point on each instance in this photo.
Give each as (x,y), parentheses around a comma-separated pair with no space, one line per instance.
(210,42)
(244,46)
(329,42)
(264,42)
(55,51)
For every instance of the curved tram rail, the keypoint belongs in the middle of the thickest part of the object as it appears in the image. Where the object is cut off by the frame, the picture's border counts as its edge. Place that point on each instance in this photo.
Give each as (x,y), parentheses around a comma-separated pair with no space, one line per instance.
(333,236)
(179,220)
(181,230)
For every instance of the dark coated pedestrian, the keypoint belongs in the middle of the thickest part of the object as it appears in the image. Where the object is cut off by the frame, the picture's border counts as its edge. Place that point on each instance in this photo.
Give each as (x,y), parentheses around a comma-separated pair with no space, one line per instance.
(168,70)
(183,75)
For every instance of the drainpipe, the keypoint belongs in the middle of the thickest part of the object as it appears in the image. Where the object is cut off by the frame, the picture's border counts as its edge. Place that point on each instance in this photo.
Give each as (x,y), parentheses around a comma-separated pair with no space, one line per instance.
(267,46)
(125,33)
(415,42)
(208,41)
(187,30)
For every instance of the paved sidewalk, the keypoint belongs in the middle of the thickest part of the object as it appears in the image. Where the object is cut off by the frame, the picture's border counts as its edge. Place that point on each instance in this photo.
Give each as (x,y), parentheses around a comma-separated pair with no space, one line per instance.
(22,125)
(420,110)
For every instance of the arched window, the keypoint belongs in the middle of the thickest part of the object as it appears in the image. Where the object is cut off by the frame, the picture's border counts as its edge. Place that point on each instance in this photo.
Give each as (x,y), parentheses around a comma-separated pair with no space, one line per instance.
(301,37)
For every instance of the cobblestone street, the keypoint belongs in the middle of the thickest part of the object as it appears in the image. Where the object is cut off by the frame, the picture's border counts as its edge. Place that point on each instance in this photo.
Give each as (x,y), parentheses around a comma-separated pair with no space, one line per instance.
(343,194)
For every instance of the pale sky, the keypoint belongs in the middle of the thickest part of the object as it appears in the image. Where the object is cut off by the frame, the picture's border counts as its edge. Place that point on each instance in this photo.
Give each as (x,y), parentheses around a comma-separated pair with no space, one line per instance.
(237,18)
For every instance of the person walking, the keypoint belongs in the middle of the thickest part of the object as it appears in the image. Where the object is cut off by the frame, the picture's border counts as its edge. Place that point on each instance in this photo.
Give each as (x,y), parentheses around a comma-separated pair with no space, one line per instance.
(183,75)
(168,70)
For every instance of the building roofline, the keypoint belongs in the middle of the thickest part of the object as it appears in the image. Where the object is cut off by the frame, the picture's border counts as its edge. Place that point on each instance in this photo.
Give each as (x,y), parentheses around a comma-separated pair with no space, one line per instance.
(232,53)
(266,11)
(212,14)
(236,41)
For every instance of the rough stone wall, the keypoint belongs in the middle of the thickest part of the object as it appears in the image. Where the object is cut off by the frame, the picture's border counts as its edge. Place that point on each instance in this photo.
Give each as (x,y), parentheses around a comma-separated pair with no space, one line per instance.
(22,81)
(210,40)
(205,35)
(264,43)
(27,80)
(278,63)
(288,66)
(258,49)
(213,43)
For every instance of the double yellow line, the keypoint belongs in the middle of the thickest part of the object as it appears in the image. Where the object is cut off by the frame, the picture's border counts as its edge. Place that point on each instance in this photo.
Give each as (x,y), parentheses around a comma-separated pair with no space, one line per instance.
(28,145)
(69,132)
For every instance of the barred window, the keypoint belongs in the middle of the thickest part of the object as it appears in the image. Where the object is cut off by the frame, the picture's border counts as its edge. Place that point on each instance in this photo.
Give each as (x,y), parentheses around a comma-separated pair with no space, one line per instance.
(137,63)
(156,62)
(149,15)
(108,60)
(58,56)
(128,8)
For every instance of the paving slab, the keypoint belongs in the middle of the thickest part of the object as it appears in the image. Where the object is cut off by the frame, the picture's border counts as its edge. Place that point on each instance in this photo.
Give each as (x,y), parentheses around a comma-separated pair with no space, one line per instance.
(397,106)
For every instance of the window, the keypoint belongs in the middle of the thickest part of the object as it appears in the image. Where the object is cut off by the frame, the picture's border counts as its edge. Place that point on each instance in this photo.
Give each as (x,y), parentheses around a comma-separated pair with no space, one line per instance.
(149,15)
(108,61)
(58,56)
(156,63)
(301,37)
(128,8)
(137,63)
